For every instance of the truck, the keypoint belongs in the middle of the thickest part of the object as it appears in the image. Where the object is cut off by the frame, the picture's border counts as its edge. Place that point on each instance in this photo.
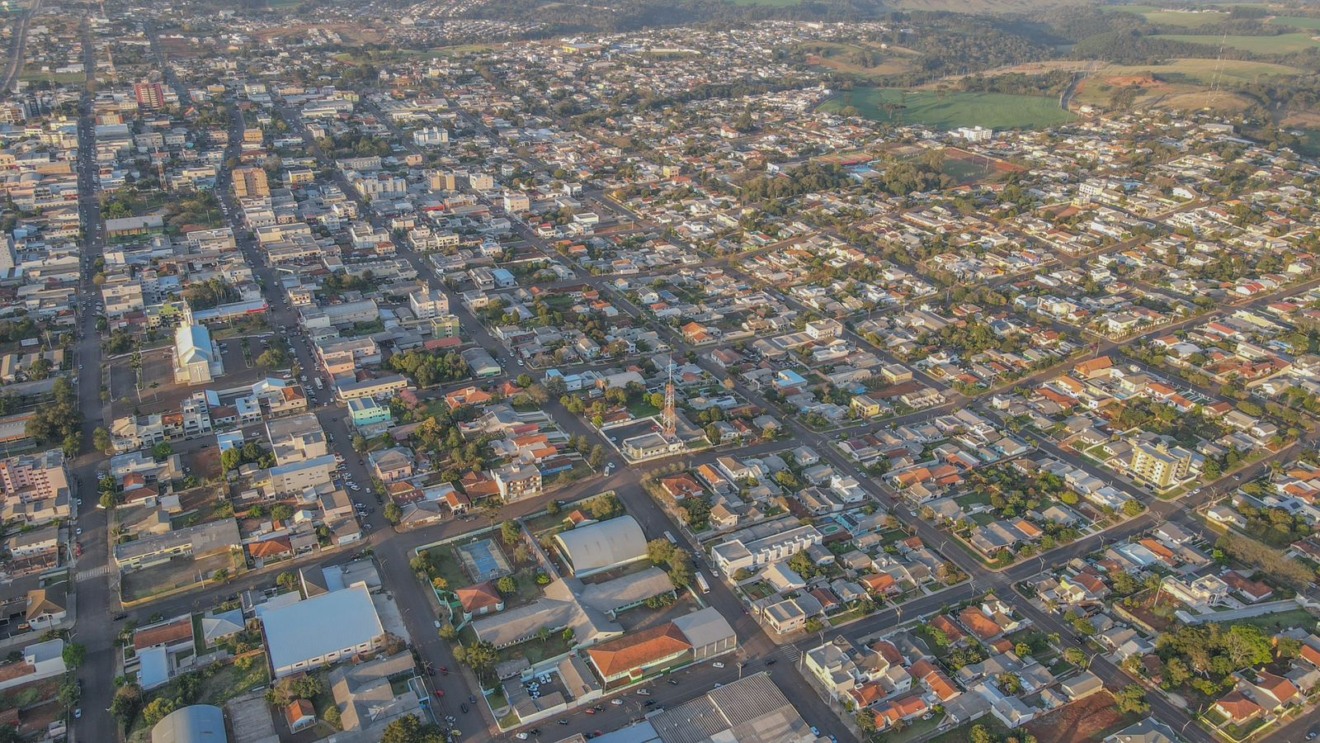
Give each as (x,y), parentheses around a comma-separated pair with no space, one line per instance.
(701,582)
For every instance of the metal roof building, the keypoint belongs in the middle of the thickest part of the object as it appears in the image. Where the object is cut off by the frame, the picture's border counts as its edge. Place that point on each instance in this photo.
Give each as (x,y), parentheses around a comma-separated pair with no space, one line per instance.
(322,630)
(197,723)
(608,544)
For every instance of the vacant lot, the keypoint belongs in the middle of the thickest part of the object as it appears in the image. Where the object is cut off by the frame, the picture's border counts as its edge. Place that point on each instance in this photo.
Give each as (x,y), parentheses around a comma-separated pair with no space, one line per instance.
(1091,719)
(1282,44)
(952,110)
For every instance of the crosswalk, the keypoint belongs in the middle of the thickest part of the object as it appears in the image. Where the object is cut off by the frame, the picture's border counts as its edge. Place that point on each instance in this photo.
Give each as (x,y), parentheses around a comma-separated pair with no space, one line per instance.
(91,573)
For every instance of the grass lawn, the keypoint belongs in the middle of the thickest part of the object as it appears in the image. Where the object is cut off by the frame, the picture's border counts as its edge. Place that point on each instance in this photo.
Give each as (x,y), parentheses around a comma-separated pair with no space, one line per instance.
(536,651)
(1282,620)
(1282,44)
(1181,20)
(642,409)
(952,110)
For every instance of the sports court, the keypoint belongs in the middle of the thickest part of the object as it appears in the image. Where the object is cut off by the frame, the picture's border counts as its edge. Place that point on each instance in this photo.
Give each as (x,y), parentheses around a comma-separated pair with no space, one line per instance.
(484,561)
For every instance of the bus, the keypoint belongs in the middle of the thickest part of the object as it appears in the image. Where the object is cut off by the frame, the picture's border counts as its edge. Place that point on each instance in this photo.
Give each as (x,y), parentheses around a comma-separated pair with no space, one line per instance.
(701,582)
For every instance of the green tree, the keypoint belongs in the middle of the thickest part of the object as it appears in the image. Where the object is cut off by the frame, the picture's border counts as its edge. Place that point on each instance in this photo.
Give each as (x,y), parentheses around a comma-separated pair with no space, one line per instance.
(1075,656)
(157,710)
(1132,699)
(481,657)
(108,501)
(507,585)
(69,693)
(162,451)
(1133,508)
(101,440)
(510,533)
(74,655)
(288,580)
(1010,683)
(332,717)
(124,706)
(393,513)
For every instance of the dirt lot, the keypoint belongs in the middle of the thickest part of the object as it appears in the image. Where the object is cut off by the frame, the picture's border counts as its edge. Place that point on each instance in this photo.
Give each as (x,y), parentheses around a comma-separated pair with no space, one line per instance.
(1091,719)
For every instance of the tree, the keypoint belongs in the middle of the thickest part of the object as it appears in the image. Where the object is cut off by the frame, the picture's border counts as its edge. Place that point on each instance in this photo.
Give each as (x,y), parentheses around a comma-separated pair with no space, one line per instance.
(597,457)
(448,633)
(281,512)
(1133,508)
(1132,699)
(480,657)
(1010,683)
(127,699)
(157,710)
(507,585)
(1022,649)
(108,501)
(660,551)
(1075,656)
(510,533)
(287,580)
(803,565)
(162,451)
(409,729)
(69,693)
(74,655)
(101,440)
(393,513)
(981,735)
(273,358)
(332,717)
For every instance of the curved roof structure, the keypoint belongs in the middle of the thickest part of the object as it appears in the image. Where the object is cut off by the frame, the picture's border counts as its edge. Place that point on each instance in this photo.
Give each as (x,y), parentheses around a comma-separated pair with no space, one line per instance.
(198,723)
(591,549)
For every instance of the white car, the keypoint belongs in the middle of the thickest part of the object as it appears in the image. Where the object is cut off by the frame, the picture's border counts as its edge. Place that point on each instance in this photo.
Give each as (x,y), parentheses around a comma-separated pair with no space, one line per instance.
(616,702)
(717,664)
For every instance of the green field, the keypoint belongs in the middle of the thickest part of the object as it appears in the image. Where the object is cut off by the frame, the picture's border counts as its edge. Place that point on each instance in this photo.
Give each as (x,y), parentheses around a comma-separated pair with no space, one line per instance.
(952,110)
(1282,44)
(1297,21)
(1174,18)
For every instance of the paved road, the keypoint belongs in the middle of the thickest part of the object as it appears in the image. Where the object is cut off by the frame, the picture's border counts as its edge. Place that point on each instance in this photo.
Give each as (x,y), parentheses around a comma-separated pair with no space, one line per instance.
(95,629)
(18,49)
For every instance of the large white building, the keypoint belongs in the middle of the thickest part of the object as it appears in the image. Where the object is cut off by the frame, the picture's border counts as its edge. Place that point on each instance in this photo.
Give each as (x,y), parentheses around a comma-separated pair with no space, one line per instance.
(196,359)
(598,547)
(321,630)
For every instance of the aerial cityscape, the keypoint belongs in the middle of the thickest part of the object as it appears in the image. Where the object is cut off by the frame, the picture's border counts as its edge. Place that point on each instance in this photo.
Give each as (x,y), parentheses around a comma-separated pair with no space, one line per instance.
(720,371)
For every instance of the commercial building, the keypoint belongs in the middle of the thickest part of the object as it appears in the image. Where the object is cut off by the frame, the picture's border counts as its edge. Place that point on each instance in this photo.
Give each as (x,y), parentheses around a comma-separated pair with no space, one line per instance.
(369,415)
(321,630)
(601,546)
(195,541)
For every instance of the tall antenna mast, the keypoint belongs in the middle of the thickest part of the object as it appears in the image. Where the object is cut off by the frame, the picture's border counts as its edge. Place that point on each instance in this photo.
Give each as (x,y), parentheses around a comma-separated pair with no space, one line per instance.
(670,418)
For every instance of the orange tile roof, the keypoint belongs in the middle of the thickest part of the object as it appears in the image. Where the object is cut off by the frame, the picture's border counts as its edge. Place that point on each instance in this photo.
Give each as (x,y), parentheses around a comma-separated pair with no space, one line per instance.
(270,547)
(165,634)
(941,685)
(888,651)
(979,624)
(950,630)
(478,597)
(1238,707)
(296,711)
(637,650)
(1282,689)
